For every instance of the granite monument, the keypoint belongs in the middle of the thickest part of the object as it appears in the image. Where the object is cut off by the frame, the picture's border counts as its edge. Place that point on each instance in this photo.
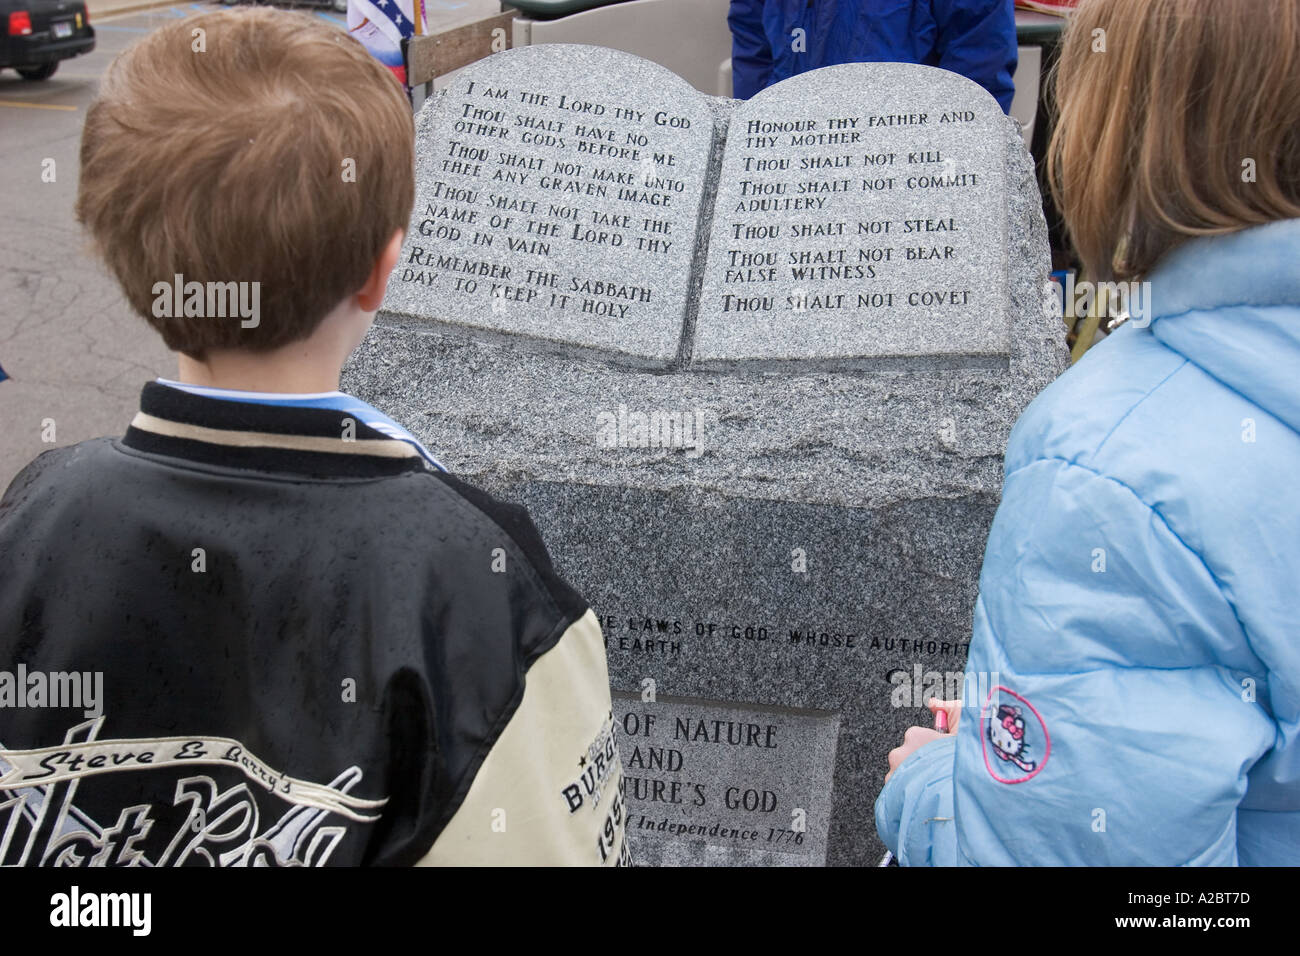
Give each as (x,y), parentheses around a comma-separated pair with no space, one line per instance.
(751,366)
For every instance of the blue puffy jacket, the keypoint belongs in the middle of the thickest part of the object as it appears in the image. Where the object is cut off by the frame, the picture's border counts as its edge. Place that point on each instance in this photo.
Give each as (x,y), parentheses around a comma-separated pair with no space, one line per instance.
(976,38)
(1136,645)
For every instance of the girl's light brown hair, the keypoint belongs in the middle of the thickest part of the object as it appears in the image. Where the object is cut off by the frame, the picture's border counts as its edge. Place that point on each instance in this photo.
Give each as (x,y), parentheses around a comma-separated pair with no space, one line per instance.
(1176,118)
(266,147)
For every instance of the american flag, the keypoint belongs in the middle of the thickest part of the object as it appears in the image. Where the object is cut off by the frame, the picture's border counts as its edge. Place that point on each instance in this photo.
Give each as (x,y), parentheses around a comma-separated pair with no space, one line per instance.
(389,17)
(382,25)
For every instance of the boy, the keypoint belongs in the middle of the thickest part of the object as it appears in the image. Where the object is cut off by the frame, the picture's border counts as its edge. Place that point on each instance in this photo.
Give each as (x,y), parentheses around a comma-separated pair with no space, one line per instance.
(265,626)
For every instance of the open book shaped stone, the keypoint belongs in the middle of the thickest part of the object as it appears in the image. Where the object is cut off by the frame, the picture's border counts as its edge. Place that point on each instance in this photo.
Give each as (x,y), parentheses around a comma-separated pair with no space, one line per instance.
(592,201)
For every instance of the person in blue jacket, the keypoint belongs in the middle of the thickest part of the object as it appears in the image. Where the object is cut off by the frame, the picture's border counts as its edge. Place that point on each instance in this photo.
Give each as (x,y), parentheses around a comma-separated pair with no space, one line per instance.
(772,40)
(1136,645)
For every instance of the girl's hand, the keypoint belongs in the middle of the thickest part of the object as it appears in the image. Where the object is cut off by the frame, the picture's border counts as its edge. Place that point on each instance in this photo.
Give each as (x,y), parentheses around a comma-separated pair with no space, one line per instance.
(917,737)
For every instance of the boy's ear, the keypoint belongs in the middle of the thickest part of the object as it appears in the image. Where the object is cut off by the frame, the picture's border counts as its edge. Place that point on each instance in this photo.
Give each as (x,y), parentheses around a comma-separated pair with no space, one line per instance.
(371,294)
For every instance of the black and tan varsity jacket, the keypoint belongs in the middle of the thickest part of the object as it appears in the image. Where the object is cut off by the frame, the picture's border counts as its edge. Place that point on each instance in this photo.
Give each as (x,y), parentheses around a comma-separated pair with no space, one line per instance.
(310,649)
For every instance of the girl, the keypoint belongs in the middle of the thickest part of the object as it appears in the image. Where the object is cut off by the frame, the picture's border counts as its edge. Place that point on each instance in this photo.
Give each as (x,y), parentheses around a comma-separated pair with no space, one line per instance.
(1139,594)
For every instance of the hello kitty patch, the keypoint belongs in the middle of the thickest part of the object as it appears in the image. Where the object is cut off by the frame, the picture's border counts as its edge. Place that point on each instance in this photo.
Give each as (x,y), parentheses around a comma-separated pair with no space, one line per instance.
(1015,737)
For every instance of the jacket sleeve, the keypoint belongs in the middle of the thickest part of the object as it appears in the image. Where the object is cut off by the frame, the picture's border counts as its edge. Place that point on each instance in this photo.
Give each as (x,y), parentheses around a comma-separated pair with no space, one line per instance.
(550,791)
(525,718)
(914,812)
(751,55)
(977,38)
(1111,708)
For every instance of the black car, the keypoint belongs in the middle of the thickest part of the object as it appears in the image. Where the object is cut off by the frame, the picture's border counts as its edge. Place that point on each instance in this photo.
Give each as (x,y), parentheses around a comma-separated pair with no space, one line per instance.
(36,34)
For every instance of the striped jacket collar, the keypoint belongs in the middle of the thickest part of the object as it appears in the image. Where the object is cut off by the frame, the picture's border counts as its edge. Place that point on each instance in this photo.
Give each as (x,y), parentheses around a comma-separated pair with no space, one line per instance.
(306,442)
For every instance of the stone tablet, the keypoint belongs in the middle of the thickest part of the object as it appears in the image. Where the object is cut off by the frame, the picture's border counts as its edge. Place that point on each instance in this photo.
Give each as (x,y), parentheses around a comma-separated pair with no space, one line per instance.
(859,220)
(553,207)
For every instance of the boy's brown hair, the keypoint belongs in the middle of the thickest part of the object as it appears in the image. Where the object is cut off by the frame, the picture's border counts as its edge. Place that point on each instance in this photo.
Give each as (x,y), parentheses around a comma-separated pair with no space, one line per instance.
(1177,118)
(248,145)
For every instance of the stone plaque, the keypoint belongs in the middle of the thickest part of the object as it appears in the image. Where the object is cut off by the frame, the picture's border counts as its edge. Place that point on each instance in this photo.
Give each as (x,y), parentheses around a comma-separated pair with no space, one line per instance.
(715,782)
(858,219)
(556,208)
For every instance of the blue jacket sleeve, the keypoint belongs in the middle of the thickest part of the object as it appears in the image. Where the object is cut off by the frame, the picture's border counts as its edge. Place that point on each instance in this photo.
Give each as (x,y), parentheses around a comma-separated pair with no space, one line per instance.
(1110,713)
(914,814)
(751,55)
(977,38)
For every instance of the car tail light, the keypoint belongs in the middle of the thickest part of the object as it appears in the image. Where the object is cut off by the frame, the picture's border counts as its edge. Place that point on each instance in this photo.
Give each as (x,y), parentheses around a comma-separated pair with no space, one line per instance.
(20,23)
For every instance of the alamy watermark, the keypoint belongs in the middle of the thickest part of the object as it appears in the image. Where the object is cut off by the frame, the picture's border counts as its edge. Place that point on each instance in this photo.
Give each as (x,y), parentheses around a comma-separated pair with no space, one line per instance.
(208,300)
(1128,301)
(657,428)
(58,689)
(78,908)
(916,688)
